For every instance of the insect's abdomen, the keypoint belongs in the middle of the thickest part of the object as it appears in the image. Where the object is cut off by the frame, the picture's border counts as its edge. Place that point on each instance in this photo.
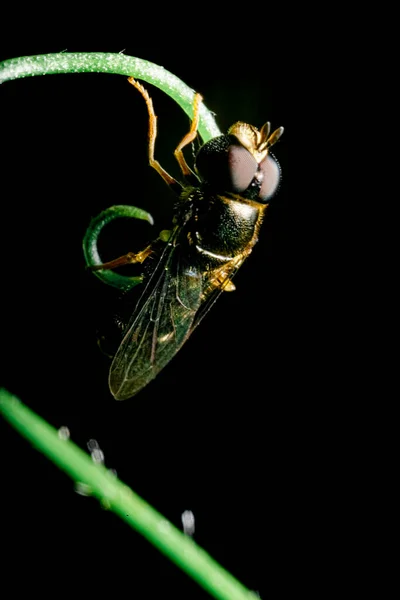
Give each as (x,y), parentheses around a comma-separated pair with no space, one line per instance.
(223,230)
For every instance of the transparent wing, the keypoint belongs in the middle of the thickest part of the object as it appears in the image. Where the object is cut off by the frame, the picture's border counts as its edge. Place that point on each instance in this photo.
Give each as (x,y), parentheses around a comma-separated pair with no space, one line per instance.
(160,324)
(214,284)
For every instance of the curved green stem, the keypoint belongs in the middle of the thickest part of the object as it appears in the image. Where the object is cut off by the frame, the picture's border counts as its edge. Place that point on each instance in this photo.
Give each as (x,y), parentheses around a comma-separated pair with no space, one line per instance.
(99,62)
(104,62)
(90,239)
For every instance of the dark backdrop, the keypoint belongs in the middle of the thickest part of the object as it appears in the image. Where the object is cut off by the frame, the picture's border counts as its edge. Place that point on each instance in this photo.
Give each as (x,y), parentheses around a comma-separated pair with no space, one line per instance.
(227,429)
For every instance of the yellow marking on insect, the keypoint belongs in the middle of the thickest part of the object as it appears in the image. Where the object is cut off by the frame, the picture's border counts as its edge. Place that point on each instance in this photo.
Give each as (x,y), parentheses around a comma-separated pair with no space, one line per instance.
(257,142)
(213,255)
(229,286)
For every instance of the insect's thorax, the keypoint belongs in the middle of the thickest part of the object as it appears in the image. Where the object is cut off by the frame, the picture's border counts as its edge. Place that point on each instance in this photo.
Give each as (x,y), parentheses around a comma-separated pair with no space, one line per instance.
(221,227)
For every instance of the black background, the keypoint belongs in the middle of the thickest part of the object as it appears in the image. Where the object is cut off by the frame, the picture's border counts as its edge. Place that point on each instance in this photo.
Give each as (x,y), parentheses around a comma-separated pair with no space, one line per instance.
(231,428)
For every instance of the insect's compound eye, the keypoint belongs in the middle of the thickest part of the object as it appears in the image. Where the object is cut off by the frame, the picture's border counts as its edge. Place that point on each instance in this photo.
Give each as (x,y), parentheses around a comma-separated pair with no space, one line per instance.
(226,165)
(242,168)
(271,177)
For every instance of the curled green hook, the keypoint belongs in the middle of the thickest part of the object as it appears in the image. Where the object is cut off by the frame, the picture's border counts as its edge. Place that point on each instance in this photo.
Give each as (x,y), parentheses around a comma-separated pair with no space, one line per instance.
(91,237)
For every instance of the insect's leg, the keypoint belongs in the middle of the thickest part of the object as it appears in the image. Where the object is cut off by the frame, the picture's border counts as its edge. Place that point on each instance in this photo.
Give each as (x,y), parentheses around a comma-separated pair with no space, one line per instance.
(189,137)
(221,276)
(221,280)
(130,258)
(153,134)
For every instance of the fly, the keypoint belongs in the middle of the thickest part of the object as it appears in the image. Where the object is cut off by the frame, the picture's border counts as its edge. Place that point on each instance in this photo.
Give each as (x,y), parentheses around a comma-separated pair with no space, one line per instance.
(215,226)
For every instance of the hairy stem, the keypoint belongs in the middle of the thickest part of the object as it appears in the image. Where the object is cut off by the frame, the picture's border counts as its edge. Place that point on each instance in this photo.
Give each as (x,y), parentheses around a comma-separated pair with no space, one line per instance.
(103,62)
(119,498)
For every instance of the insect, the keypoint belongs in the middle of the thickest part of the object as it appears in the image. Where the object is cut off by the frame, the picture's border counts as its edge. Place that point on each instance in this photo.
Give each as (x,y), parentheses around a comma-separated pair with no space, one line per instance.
(215,225)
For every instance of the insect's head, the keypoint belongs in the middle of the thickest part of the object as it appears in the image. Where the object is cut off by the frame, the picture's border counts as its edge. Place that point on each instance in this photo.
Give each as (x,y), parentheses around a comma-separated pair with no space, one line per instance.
(240,162)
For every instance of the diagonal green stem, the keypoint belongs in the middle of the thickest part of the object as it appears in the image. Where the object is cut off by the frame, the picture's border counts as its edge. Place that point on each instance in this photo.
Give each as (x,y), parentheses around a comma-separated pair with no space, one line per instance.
(123,501)
(103,62)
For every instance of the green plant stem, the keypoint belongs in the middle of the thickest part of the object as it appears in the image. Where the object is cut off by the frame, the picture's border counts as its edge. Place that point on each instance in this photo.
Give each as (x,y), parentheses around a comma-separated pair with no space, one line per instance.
(90,239)
(117,497)
(103,62)
(65,62)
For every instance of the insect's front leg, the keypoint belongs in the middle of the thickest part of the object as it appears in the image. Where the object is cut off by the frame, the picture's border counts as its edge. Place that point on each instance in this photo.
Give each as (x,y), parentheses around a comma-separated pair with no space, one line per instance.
(189,137)
(152,134)
(130,258)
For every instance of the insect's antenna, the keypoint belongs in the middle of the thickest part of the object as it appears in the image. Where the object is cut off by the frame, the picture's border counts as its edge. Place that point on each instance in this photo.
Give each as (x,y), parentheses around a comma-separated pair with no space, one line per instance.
(153,134)
(265,131)
(274,137)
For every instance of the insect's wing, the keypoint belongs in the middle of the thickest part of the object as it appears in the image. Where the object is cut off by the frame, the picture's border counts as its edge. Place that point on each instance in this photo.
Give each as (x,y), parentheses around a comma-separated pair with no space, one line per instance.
(212,291)
(160,325)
